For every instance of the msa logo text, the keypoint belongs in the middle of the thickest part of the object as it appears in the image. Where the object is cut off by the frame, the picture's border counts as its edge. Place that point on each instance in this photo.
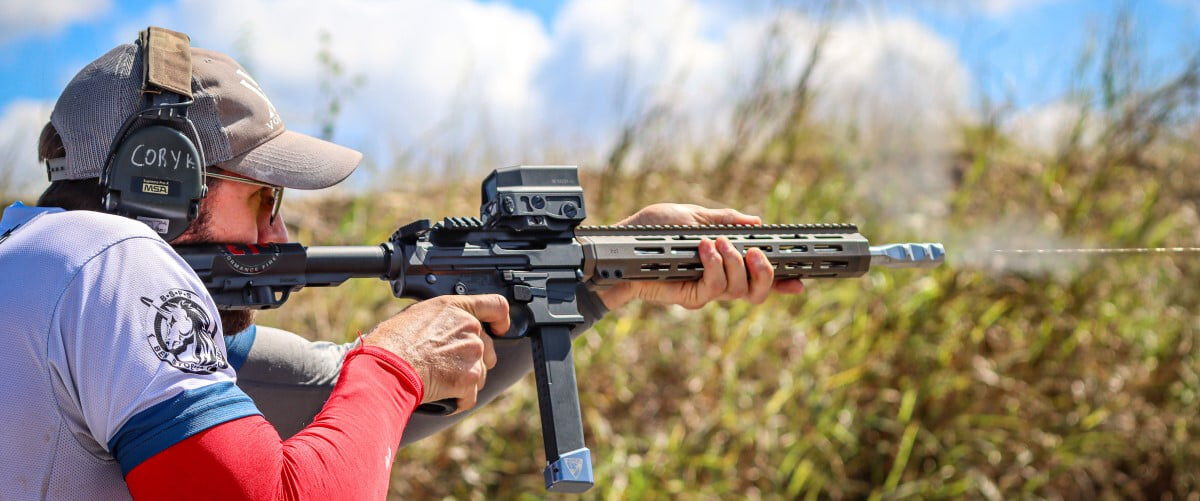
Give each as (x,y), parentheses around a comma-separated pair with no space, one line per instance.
(155,187)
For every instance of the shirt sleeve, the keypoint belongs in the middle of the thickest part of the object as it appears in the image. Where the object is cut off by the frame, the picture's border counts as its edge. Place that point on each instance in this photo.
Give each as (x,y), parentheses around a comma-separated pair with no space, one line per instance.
(141,353)
(290,377)
(346,453)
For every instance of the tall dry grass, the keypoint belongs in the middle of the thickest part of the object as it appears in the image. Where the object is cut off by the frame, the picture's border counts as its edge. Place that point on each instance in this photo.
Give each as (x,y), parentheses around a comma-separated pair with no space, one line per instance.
(1071,379)
(1066,378)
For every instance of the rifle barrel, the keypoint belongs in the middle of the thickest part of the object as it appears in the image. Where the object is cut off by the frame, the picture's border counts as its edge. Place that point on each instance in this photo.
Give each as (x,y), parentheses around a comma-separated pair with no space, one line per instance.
(357,261)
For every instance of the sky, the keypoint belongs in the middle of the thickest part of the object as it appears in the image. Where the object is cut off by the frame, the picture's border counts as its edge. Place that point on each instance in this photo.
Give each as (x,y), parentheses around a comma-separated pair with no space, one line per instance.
(535,77)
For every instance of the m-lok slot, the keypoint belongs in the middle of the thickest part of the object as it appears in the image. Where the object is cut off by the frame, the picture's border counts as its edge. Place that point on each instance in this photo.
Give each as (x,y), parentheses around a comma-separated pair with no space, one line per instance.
(827,248)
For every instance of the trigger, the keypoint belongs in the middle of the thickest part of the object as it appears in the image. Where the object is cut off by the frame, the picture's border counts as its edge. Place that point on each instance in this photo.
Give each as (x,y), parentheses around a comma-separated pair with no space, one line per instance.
(487,328)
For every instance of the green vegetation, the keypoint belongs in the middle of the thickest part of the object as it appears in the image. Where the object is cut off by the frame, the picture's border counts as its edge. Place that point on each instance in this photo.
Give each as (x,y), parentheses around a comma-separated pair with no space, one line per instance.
(1069,378)
(1066,378)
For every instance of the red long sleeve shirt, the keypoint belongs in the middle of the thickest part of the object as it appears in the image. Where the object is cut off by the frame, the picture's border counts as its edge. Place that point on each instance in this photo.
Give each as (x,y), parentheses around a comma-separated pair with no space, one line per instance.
(346,453)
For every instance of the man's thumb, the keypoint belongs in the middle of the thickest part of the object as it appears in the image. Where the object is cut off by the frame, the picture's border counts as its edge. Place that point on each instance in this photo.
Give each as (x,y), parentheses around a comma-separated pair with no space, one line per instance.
(728,216)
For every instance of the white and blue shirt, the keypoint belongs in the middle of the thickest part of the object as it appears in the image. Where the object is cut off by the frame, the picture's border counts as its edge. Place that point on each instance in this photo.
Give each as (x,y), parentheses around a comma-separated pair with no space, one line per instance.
(110,352)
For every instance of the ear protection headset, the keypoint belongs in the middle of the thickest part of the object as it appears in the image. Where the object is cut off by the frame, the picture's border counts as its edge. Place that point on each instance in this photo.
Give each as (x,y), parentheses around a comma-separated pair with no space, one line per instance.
(154,171)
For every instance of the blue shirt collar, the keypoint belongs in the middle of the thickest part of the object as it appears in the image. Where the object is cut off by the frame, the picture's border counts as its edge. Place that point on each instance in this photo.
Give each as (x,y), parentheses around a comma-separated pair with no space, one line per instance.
(19,213)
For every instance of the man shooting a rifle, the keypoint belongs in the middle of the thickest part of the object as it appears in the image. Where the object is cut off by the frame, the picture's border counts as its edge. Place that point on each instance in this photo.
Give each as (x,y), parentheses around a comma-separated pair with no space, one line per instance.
(122,378)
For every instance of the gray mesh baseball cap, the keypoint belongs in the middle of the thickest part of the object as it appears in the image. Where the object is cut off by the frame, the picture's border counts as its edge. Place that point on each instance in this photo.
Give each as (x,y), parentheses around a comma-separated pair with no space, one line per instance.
(239,128)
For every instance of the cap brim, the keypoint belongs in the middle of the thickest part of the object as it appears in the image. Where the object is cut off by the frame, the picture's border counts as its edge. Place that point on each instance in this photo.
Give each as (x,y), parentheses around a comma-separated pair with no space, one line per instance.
(295,160)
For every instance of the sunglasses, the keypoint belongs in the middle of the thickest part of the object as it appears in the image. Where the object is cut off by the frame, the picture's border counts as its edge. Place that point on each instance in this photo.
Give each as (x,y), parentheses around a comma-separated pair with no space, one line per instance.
(276,191)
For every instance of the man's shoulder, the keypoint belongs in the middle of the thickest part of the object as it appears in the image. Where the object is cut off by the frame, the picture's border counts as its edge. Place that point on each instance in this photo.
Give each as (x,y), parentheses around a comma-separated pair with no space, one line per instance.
(101,226)
(72,238)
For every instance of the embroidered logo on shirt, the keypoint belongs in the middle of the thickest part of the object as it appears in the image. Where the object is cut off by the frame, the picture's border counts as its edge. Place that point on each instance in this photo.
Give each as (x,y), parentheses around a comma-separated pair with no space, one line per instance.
(184,333)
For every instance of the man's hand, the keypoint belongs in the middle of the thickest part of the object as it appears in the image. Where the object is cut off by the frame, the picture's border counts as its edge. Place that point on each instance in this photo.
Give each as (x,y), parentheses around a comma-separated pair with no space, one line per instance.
(443,339)
(727,274)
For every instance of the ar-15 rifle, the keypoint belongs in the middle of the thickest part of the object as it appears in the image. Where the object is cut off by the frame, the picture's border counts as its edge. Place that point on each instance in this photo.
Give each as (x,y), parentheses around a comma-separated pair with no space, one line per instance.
(528,246)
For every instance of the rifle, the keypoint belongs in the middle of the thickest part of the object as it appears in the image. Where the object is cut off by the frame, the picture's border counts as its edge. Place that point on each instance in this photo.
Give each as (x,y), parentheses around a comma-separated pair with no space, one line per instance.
(527,245)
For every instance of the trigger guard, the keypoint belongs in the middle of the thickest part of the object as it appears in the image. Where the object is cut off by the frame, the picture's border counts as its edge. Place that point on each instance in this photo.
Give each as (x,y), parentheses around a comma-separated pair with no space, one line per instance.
(518,326)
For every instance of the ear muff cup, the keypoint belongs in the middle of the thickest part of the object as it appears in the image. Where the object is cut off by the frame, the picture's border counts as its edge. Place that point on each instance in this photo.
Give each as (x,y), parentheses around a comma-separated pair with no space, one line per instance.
(155,176)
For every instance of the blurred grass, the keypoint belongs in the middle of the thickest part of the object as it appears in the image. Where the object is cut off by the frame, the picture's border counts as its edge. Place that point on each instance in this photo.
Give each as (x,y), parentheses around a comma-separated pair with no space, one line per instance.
(1073,379)
(1061,379)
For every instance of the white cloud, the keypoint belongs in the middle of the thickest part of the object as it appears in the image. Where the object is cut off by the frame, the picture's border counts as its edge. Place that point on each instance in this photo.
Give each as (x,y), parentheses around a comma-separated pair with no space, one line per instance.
(22,18)
(442,73)
(1047,128)
(1003,7)
(896,79)
(20,124)
(425,64)
(987,8)
(613,58)
(701,57)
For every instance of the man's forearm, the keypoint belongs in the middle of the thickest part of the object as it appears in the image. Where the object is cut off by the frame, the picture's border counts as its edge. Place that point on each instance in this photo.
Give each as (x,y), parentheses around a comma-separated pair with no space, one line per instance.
(289,378)
(343,455)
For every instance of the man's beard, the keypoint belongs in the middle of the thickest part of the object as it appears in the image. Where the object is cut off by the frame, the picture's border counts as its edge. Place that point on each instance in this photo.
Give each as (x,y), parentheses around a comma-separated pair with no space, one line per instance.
(235,321)
(201,232)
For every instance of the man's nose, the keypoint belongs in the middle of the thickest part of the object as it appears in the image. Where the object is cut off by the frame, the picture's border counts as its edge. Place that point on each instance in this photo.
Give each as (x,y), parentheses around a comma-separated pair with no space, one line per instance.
(272,232)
